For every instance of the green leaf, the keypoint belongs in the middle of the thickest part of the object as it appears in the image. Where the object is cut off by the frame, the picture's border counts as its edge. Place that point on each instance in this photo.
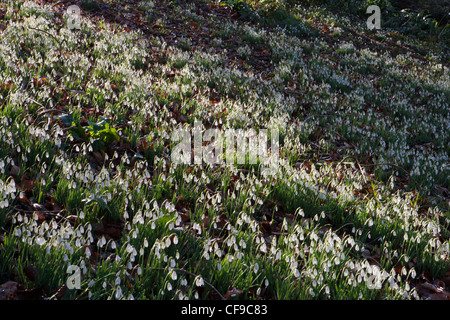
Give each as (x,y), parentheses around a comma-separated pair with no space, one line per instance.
(67,119)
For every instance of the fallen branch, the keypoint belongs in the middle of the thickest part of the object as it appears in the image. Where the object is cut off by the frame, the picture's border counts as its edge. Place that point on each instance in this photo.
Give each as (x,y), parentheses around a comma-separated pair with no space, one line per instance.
(47,33)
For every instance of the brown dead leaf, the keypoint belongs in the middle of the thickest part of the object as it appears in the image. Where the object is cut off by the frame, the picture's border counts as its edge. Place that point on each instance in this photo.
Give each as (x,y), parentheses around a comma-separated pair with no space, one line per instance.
(439,284)
(290,218)
(27,184)
(98,156)
(265,226)
(231,293)
(210,186)
(181,118)
(398,269)
(41,216)
(23,198)
(8,290)
(142,145)
(430,291)
(185,217)
(428,286)
(14,171)
(113,231)
(97,227)
(425,275)
(31,272)
(206,222)
(446,280)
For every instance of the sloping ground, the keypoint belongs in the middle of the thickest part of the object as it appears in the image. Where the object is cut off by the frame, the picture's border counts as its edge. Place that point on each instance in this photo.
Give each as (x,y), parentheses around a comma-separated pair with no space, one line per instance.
(358,207)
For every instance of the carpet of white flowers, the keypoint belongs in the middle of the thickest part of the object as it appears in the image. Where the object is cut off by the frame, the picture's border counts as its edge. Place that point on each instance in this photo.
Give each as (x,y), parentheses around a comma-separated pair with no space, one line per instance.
(359,205)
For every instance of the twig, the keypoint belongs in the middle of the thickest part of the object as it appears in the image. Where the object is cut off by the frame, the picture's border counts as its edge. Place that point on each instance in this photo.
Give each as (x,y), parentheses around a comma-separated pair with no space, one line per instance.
(360,169)
(359,166)
(59,43)
(54,5)
(439,36)
(47,33)
(68,128)
(54,213)
(41,106)
(49,110)
(42,112)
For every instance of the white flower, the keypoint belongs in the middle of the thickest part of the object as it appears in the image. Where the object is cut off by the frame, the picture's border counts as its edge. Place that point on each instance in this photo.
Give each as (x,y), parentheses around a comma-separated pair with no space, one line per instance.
(119,294)
(199,282)
(40,241)
(17,232)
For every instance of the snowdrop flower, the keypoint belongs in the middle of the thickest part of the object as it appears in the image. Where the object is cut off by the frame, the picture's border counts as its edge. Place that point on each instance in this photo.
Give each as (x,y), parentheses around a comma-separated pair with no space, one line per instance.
(199,282)
(119,293)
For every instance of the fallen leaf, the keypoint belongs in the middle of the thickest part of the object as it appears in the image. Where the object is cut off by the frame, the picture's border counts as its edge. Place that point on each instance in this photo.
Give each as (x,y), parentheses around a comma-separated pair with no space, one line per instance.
(439,284)
(14,171)
(430,291)
(41,217)
(27,184)
(185,217)
(446,280)
(8,290)
(181,118)
(438,296)
(231,293)
(31,272)
(98,156)
(266,228)
(113,232)
(206,222)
